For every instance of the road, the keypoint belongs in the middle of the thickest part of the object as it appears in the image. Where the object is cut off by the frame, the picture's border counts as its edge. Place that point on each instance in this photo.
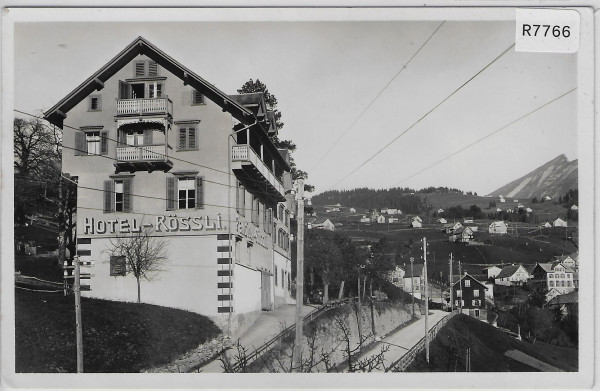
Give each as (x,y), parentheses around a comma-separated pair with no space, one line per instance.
(402,340)
(267,326)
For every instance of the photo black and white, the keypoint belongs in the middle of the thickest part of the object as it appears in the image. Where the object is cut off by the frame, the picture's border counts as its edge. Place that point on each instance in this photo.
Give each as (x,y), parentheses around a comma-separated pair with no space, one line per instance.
(355,197)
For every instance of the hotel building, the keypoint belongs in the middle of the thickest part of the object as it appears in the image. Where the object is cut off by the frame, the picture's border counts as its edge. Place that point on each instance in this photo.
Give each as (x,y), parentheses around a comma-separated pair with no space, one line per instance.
(157,149)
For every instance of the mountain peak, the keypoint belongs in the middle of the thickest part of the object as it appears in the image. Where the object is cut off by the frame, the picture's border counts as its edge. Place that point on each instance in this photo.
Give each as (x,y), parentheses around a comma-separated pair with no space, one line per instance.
(553,179)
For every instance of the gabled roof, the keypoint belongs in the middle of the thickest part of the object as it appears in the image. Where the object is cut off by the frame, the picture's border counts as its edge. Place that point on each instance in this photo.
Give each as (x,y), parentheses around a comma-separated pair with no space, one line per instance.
(472,278)
(508,271)
(321,220)
(569,298)
(140,46)
(547,267)
(463,229)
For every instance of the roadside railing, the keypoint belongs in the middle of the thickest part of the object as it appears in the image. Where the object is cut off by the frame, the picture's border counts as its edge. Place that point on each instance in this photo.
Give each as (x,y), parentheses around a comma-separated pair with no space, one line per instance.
(289,330)
(410,356)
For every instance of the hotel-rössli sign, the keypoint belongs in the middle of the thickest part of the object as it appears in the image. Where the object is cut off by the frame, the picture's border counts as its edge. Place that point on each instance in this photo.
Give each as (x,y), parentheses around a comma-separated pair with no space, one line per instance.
(171,224)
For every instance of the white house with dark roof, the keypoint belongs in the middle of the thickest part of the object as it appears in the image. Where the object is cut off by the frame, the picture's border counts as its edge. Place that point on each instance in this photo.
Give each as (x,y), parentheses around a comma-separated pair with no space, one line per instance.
(512,275)
(498,227)
(559,223)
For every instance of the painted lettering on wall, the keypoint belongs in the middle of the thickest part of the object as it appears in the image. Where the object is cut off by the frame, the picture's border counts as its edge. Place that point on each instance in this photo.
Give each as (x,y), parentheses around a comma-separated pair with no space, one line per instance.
(251,232)
(93,226)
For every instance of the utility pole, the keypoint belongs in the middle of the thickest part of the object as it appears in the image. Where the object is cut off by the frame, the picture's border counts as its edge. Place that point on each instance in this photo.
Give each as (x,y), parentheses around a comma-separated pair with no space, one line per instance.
(460,288)
(78,328)
(451,286)
(426,300)
(412,285)
(299,277)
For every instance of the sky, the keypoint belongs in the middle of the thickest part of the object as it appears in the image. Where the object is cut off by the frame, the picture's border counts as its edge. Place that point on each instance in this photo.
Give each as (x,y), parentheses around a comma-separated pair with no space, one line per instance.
(330,80)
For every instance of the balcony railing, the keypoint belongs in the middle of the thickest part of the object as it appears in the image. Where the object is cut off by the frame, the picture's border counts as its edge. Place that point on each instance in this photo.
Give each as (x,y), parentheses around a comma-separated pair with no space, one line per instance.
(243,153)
(144,106)
(142,153)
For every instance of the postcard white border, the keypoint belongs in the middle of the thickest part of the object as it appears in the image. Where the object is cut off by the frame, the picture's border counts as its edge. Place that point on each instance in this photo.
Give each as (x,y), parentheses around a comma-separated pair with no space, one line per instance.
(587,162)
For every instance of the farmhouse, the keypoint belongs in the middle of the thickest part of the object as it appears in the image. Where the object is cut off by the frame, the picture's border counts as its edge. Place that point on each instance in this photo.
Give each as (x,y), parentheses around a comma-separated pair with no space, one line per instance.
(381,219)
(451,227)
(462,234)
(365,219)
(157,149)
(393,220)
(442,220)
(469,297)
(559,223)
(416,224)
(554,275)
(512,275)
(413,279)
(498,227)
(323,224)
(492,271)
(546,225)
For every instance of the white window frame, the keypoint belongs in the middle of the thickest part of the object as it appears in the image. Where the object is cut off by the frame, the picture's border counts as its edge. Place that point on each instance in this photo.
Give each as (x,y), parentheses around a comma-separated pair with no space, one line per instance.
(187,185)
(467,283)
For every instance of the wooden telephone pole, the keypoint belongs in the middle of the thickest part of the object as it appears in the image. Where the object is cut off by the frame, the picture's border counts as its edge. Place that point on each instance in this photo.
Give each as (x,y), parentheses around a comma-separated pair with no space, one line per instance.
(451,287)
(426,300)
(78,326)
(297,356)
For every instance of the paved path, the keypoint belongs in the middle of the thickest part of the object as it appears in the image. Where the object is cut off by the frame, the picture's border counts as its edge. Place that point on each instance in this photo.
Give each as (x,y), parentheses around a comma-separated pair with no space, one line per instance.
(402,340)
(267,326)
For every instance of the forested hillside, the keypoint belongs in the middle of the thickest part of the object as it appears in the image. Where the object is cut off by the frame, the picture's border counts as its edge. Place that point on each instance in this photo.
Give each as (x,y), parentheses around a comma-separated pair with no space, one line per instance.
(398,198)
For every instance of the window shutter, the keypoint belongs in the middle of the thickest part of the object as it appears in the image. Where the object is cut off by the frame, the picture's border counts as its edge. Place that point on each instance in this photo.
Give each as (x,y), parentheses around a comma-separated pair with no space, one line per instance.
(140,69)
(192,137)
(182,138)
(171,193)
(109,194)
(199,192)
(80,146)
(103,143)
(152,68)
(148,136)
(127,194)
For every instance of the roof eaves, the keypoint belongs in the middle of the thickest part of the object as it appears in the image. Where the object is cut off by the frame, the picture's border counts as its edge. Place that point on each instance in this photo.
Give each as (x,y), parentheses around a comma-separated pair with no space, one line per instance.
(140,45)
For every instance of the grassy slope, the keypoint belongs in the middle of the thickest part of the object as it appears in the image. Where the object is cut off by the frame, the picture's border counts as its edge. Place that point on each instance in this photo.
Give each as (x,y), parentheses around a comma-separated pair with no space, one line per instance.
(117,337)
(488,346)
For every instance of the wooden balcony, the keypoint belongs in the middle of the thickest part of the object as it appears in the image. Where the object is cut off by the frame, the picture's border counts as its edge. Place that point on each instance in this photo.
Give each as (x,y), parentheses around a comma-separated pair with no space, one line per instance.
(148,106)
(143,158)
(249,165)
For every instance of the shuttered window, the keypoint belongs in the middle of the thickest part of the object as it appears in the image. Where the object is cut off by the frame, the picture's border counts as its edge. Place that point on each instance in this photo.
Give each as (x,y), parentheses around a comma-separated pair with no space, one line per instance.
(103,143)
(152,68)
(188,139)
(95,103)
(240,200)
(185,192)
(146,69)
(171,193)
(118,195)
(197,98)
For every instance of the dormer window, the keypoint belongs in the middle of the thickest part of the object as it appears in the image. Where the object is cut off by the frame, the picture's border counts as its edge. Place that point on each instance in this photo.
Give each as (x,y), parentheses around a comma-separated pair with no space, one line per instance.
(146,69)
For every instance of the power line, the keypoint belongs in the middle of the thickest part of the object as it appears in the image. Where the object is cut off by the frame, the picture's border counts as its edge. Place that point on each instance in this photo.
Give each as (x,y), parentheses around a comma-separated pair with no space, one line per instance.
(376,97)
(477,141)
(140,196)
(487,136)
(423,117)
(156,153)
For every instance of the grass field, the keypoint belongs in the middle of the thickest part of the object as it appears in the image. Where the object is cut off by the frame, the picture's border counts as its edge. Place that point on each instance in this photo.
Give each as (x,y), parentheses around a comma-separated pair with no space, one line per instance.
(117,337)
(488,347)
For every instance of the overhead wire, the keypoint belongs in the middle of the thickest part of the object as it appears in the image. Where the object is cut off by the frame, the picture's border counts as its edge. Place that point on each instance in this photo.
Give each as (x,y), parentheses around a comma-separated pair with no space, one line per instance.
(477,141)
(157,153)
(376,97)
(423,117)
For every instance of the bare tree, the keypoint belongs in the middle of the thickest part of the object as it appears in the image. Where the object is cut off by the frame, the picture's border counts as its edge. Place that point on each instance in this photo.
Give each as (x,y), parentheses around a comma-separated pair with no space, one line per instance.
(144,254)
